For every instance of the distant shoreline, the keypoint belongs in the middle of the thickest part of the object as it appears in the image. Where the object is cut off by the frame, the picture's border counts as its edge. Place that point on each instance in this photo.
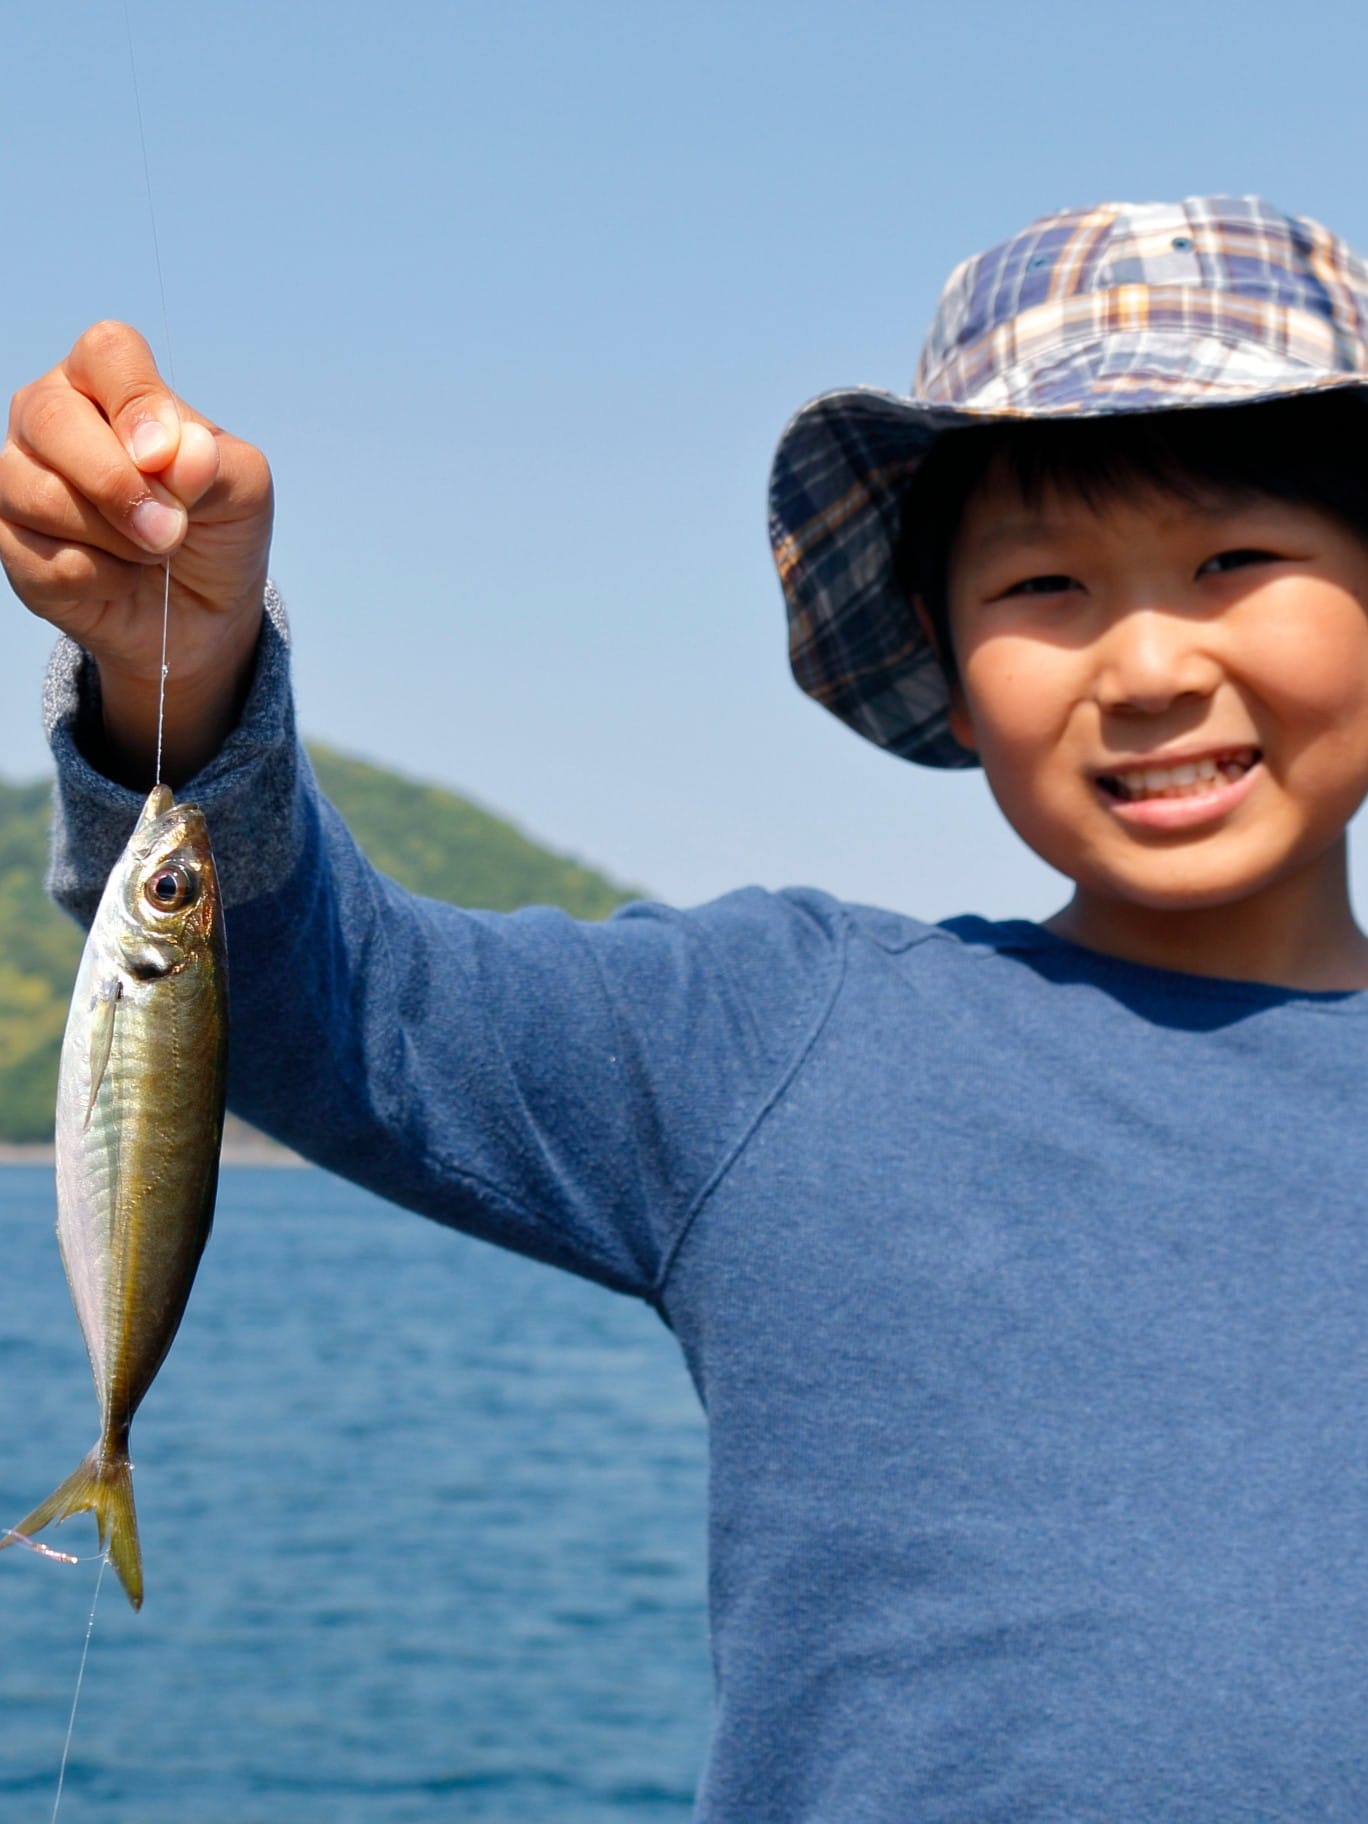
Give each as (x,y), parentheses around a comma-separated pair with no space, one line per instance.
(242,1145)
(234,1153)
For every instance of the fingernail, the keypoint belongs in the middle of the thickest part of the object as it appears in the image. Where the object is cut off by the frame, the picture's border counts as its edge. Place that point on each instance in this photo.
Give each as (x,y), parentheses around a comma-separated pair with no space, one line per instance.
(156,526)
(149,442)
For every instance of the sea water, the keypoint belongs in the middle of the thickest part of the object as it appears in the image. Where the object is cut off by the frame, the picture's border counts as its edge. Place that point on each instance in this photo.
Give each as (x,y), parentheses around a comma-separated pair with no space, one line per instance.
(422,1527)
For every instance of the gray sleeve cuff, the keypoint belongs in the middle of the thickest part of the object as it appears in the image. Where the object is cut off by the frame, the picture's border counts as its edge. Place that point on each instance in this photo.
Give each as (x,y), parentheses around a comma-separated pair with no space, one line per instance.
(250,792)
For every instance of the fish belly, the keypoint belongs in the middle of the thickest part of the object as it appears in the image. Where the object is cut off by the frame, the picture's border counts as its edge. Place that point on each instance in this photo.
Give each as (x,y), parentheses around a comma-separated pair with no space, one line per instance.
(137,1168)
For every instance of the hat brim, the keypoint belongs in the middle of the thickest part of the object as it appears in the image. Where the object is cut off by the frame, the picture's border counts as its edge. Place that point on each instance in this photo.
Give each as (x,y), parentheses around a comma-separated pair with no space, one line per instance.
(836,500)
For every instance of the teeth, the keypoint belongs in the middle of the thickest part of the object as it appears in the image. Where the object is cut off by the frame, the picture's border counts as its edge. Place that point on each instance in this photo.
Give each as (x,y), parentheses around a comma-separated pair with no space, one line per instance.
(1186,780)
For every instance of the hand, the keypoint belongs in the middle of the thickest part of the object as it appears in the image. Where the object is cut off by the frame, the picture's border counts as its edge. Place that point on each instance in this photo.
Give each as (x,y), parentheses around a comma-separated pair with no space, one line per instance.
(103,475)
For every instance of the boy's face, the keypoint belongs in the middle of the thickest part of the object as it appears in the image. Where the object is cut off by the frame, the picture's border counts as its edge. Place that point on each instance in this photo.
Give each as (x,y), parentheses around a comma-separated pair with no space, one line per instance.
(1169,697)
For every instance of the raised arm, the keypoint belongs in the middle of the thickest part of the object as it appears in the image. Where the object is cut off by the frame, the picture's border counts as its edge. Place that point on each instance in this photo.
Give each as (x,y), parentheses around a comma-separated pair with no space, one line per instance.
(567,1090)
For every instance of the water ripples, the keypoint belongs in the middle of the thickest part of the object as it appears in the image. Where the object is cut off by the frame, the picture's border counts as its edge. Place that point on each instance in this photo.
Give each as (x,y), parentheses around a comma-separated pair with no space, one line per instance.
(422,1525)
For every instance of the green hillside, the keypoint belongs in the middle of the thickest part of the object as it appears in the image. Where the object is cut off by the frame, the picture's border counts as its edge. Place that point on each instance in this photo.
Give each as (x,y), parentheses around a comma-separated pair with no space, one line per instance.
(39,950)
(431,840)
(437,843)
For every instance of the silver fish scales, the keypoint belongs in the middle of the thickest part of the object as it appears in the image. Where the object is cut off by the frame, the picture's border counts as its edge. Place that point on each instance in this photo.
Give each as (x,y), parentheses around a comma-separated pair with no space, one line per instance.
(139,1123)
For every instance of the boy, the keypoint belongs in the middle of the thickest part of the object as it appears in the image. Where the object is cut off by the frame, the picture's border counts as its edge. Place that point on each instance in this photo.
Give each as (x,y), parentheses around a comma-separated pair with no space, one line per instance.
(1021,1270)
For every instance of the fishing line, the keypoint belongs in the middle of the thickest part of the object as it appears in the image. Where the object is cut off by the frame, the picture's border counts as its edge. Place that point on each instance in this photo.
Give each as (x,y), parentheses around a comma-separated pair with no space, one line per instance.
(164,668)
(170,369)
(9,1534)
(80,1680)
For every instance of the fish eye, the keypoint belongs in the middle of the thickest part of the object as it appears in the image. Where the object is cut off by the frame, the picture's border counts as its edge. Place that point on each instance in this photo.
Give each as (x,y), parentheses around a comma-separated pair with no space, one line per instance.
(170,888)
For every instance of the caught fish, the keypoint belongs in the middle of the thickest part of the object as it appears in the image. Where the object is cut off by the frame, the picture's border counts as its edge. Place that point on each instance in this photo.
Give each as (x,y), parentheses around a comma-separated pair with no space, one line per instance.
(139,1122)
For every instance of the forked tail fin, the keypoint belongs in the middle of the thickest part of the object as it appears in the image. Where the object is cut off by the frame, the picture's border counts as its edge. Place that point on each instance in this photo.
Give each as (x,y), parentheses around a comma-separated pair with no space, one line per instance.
(102,1485)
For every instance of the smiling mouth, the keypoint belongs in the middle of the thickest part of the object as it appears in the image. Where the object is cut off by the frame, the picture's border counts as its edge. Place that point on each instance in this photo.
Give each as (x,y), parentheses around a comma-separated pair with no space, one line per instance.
(1185,779)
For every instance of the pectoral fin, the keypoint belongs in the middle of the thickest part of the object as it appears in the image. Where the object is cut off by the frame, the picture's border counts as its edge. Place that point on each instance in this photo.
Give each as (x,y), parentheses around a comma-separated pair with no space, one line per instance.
(101,1039)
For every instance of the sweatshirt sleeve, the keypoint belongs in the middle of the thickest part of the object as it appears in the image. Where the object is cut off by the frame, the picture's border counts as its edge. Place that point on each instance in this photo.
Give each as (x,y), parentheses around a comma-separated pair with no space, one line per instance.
(566,1089)
(250,792)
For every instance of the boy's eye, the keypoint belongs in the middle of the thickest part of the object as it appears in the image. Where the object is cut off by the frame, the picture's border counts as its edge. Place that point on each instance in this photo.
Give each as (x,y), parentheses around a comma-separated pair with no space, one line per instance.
(1041,585)
(1236,560)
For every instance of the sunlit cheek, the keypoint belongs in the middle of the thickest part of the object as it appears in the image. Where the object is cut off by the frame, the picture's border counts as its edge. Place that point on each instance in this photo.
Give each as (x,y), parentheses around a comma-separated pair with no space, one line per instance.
(1018,693)
(1309,661)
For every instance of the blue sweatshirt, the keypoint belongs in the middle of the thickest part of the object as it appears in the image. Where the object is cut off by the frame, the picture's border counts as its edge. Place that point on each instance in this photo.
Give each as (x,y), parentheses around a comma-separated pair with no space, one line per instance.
(1024,1290)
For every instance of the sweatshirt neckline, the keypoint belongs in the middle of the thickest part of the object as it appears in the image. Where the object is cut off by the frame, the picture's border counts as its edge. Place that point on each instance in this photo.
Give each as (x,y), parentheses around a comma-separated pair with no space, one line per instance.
(1023,937)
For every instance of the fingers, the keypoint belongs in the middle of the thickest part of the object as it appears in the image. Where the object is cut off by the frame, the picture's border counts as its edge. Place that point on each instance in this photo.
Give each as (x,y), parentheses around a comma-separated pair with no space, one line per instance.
(57,549)
(81,423)
(114,368)
(42,501)
(63,476)
(56,579)
(103,473)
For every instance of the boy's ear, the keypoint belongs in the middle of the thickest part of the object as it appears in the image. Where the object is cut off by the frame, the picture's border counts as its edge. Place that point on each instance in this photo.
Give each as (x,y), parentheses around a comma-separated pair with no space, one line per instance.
(961,723)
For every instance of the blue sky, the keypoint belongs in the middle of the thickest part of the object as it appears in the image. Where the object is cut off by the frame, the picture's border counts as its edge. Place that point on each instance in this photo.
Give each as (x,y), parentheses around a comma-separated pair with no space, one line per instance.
(517,298)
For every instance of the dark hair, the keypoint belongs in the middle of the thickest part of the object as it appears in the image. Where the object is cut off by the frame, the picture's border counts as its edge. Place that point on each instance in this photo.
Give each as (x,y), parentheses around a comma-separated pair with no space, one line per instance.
(1312,450)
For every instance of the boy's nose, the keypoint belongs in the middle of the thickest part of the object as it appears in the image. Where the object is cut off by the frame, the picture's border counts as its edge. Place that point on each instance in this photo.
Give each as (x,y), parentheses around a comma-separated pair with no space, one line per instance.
(1149,658)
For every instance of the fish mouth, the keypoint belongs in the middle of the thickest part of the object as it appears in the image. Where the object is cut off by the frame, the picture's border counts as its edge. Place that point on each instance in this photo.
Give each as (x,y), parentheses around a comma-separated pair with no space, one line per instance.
(159,801)
(166,825)
(1191,777)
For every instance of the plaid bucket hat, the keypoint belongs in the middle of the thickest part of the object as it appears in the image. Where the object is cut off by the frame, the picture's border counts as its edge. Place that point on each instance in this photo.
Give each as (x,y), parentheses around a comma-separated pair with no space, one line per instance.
(1123,308)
